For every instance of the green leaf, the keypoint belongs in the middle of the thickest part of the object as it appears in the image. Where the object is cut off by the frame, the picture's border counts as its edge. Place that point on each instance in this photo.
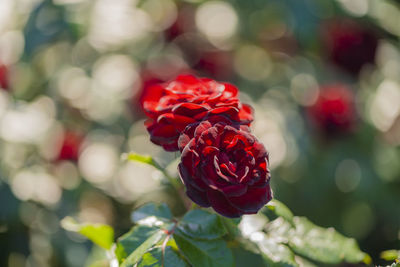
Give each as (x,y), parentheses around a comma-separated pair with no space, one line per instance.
(316,243)
(246,257)
(231,226)
(143,159)
(201,224)
(160,211)
(100,234)
(138,235)
(390,255)
(323,245)
(139,241)
(155,258)
(204,253)
(276,209)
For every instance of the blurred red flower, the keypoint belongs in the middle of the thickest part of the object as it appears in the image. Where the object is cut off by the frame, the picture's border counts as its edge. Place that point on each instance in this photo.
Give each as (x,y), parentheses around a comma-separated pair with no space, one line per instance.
(3,77)
(349,45)
(334,111)
(70,146)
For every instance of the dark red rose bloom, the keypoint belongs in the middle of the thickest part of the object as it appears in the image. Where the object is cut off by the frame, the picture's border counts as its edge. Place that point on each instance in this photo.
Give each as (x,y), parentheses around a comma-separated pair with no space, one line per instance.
(334,111)
(174,105)
(3,77)
(349,45)
(225,167)
(184,23)
(218,64)
(70,146)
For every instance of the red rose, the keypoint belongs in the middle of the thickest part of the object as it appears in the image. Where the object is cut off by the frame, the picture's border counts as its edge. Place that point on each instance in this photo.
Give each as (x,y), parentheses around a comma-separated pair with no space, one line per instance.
(349,45)
(186,100)
(334,112)
(225,167)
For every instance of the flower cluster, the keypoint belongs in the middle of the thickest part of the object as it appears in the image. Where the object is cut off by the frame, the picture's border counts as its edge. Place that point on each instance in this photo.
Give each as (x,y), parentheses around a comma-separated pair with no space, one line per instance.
(223,166)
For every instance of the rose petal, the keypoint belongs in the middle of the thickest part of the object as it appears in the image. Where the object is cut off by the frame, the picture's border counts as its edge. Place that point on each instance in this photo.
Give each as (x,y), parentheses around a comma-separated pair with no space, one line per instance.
(230,90)
(253,200)
(150,101)
(204,125)
(221,205)
(189,109)
(235,190)
(162,130)
(230,112)
(209,137)
(178,121)
(188,179)
(193,191)
(246,114)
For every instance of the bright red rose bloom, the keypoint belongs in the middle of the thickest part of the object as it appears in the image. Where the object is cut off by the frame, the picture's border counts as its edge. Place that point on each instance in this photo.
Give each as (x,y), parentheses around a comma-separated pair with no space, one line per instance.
(225,167)
(174,105)
(334,111)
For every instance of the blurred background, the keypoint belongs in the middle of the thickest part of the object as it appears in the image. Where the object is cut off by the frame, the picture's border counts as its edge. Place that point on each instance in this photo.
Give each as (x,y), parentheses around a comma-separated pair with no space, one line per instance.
(323,77)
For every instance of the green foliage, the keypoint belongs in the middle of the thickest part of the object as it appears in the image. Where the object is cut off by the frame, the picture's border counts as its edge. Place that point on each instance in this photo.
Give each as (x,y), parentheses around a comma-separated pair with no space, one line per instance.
(245,256)
(204,239)
(276,254)
(287,235)
(138,236)
(202,225)
(198,238)
(139,251)
(278,209)
(324,245)
(202,253)
(160,211)
(100,234)
(156,257)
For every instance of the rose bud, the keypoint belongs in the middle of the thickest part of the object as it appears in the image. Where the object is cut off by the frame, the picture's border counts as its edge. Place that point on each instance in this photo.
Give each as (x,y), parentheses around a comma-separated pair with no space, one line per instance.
(223,166)
(70,146)
(334,112)
(174,105)
(349,45)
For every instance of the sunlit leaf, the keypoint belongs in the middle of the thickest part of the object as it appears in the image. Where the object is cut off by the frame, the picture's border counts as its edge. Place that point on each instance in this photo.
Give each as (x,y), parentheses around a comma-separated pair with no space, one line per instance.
(317,243)
(278,209)
(276,254)
(100,234)
(132,156)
